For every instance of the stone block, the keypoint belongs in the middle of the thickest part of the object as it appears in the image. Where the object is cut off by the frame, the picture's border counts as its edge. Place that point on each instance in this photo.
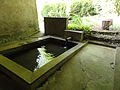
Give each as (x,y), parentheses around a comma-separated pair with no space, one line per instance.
(55,26)
(75,35)
(106,24)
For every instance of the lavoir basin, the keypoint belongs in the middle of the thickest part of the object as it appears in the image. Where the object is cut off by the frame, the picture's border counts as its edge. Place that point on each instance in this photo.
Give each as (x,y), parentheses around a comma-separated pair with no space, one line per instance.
(31,64)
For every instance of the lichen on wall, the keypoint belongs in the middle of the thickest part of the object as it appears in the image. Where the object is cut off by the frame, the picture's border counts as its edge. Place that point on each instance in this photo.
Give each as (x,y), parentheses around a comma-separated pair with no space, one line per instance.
(18,19)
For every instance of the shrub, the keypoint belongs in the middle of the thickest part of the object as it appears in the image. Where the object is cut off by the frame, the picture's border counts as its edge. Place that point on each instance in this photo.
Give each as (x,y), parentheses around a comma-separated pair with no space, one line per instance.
(54,10)
(84,8)
(79,27)
(117,6)
(76,20)
(46,9)
(73,27)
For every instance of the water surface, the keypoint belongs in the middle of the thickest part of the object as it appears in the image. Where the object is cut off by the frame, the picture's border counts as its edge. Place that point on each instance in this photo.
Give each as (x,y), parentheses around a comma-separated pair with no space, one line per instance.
(35,58)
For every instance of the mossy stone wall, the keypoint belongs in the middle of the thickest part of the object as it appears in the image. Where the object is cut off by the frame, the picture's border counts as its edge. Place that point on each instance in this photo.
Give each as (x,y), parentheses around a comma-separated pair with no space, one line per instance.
(18,19)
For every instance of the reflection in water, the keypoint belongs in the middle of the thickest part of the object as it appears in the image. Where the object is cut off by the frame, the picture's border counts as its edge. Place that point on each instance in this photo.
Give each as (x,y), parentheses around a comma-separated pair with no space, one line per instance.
(43,57)
(34,58)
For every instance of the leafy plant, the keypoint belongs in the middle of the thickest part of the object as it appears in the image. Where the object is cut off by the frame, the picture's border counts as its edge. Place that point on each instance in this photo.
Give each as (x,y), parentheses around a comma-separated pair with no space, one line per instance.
(79,27)
(46,9)
(73,27)
(54,10)
(117,6)
(84,8)
(86,28)
(76,20)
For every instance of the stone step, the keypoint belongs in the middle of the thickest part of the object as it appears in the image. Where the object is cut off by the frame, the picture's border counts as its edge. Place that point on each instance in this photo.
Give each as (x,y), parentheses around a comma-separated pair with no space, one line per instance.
(102,43)
(106,32)
(109,37)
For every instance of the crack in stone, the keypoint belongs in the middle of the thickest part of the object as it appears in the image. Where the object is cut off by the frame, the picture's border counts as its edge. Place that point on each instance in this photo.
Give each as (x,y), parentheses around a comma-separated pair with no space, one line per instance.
(88,76)
(84,71)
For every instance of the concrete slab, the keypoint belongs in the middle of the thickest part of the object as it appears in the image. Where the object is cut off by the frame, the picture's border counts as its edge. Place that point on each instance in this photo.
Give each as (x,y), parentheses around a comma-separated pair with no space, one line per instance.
(90,69)
(117,70)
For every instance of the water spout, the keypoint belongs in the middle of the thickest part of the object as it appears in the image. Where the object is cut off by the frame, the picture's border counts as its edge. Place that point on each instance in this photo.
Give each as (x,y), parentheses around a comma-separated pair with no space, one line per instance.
(68,38)
(66,41)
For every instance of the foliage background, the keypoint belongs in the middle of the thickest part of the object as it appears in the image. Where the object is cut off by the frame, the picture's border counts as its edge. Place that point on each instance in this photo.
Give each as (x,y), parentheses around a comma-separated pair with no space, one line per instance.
(84,8)
(54,10)
(88,12)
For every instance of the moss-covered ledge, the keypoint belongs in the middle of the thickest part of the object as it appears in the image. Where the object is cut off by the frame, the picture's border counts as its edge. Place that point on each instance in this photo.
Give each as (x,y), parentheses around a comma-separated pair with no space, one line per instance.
(17,37)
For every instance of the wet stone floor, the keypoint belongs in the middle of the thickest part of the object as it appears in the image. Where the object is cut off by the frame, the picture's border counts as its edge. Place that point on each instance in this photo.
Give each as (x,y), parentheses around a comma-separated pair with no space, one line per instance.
(92,68)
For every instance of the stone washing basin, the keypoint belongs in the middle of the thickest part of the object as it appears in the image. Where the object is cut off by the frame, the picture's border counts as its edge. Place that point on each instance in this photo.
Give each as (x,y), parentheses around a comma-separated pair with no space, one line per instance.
(31,64)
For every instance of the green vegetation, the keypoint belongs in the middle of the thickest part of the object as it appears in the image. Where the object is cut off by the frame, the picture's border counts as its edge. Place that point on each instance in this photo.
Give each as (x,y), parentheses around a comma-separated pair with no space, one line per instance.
(79,27)
(80,9)
(54,10)
(84,14)
(117,6)
(76,24)
(45,11)
(84,8)
(76,20)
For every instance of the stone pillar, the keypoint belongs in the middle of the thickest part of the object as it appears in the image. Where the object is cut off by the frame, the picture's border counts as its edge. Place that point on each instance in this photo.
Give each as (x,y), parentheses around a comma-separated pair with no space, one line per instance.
(106,24)
(55,26)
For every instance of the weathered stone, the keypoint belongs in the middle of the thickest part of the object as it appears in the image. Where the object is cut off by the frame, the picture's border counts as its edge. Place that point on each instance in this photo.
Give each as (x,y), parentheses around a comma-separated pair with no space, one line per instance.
(18,19)
(106,24)
(55,26)
(75,35)
(89,69)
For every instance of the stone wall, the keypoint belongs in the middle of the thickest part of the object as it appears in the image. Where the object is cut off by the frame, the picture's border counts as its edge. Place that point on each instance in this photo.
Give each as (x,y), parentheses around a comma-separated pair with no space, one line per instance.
(18,19)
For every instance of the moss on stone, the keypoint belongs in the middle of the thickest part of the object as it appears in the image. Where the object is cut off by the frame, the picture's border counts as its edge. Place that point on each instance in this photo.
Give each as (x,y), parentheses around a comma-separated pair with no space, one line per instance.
(18,19)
